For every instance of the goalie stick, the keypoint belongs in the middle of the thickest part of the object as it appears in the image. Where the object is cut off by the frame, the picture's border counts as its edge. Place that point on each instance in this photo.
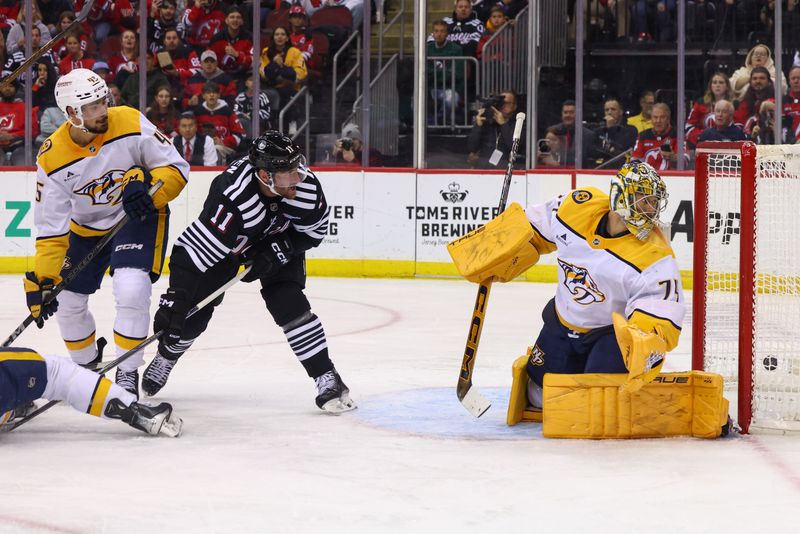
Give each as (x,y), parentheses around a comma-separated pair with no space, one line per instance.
(75,271)
(470,397)
(115,362)
(79,18)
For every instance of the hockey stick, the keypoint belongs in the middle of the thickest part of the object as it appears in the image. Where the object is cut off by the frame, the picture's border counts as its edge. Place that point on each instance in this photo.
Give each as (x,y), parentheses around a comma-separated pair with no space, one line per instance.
(470,397)
(79,18)
(75,271)
(115,362)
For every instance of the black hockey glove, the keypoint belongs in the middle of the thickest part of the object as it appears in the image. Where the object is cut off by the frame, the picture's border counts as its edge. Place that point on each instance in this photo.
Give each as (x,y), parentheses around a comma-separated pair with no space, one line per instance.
(36,293)
(267,256)
(136,200)
(171,315)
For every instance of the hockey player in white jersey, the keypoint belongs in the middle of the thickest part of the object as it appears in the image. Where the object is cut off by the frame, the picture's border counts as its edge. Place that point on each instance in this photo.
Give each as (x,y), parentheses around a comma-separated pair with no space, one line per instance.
(92,170)
(612,259)
(26,375)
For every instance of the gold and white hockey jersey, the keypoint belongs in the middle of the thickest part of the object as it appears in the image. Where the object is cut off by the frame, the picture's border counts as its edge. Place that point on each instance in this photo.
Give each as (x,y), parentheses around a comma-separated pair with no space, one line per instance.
(598,275)
(79,189)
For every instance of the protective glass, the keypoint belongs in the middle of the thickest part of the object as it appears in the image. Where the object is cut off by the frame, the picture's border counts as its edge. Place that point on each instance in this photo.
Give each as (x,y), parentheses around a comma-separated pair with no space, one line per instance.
(95,110)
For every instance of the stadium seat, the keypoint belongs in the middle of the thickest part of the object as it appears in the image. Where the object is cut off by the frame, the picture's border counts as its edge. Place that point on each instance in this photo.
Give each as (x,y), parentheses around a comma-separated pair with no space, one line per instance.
(320,56)
(338,16)
(112,45)
(278,17)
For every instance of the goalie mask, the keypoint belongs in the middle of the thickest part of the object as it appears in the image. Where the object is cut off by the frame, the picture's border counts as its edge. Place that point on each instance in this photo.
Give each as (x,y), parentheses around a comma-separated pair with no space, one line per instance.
(83,91)
(639,196)
(280,158)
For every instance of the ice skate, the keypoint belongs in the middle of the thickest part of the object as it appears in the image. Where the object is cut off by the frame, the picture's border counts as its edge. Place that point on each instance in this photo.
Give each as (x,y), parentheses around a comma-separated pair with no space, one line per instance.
(153,420)
(333,396)
(128,380)
(156,375)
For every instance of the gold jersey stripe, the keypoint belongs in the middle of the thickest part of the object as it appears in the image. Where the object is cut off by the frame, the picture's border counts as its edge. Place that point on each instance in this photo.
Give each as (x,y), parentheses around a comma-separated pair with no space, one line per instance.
(126,342)
(79,344)
(99,396)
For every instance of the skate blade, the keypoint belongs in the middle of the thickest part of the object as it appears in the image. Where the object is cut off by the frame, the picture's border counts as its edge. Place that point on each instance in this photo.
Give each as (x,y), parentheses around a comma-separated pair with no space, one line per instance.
(172,427)
(340,405)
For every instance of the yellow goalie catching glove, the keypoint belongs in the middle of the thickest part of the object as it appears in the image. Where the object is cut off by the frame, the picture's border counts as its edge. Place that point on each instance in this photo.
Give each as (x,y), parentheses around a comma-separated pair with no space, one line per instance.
(642,352)
(501,249)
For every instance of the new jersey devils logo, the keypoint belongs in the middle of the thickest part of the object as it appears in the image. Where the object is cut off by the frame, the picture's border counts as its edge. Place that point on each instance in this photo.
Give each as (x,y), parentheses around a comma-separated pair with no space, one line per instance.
(105,190)
(580,284)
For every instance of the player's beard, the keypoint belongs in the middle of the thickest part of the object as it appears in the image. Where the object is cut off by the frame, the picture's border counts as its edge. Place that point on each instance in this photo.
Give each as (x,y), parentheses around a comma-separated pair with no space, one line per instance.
(100,127)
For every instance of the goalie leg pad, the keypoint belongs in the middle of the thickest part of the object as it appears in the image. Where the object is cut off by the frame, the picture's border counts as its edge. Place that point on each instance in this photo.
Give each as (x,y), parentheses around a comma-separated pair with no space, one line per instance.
(518,407)
(594,406)
(501,248)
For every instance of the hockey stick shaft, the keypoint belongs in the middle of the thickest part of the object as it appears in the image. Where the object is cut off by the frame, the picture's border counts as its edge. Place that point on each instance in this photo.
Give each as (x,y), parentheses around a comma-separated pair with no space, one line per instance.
(473,401)
(119,359)
(79,18)
(75,271)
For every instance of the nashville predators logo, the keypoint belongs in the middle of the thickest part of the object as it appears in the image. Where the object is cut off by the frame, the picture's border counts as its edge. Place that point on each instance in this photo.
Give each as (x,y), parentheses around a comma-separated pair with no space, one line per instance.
(581,196)
(580,284)
(535,355)
(105,190)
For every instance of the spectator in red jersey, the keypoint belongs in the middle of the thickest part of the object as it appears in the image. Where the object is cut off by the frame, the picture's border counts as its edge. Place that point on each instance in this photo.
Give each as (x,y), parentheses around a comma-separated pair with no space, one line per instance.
(759,90)
(201,22)
(702,114)
(209,72)
(658,145)
(126,61)
(162,18)
(282,65)
(9,9)
(219,121)
(791,101)
(185,61)
(108,17)
(300,35)
(15,41)
(75,58)
(12,124)
(233,45)
(497,19)
(64,20)
(162,111)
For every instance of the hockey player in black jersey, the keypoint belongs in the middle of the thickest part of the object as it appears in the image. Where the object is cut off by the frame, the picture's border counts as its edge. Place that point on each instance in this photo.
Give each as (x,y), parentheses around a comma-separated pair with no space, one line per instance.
(267,208)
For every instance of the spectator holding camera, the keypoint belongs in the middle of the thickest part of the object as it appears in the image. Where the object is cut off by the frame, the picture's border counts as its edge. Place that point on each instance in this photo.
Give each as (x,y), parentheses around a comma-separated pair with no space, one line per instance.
(552,149)
(760,89)
(489,141)
(616,136)
(567,125)
(764,130)
(347,150)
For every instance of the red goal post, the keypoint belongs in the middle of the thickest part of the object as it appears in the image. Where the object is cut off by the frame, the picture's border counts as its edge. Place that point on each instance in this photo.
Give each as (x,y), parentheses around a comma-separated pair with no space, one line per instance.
(746,277)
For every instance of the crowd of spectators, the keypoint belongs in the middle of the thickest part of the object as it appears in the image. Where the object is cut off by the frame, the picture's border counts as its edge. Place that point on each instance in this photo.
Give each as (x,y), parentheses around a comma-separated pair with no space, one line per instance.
(198,65)
(735,106)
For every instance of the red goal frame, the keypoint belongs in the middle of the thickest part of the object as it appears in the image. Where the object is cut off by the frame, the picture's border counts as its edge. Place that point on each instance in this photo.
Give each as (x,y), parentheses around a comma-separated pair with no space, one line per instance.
(747,244)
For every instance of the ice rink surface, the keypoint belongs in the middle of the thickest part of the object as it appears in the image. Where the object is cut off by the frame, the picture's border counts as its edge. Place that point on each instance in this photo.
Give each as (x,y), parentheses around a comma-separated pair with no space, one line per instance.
(258,456)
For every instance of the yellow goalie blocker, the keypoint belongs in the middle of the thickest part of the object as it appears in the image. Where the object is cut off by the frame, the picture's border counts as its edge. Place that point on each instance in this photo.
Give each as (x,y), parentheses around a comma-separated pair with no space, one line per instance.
(501,248)
(596,406)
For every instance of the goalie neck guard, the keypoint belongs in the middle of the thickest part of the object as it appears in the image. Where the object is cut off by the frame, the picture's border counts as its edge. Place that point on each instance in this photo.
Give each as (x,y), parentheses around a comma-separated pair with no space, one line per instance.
(639,196)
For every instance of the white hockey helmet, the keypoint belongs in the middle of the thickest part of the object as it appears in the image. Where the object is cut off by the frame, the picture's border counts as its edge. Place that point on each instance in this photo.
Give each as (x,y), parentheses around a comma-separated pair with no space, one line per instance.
(77,88)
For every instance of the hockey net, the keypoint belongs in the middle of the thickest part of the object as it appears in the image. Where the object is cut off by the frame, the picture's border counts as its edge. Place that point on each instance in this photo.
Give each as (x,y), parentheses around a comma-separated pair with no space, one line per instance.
(746,294)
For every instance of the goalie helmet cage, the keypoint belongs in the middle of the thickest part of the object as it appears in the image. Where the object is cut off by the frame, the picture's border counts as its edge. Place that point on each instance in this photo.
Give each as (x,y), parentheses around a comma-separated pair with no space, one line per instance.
(746,277)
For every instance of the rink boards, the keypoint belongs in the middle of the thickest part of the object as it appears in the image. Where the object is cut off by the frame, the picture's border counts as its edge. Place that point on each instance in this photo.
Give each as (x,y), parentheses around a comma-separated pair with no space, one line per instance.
(384,222)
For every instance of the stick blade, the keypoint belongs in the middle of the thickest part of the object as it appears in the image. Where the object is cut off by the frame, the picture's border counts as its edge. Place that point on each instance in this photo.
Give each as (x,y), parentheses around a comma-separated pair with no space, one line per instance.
(475,402)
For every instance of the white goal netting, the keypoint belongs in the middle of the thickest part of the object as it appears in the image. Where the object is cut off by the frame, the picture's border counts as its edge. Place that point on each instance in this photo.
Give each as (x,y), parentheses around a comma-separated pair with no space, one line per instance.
(775,324)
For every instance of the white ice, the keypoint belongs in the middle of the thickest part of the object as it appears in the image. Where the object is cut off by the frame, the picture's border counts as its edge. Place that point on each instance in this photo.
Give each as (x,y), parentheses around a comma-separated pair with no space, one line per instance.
(258,456)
